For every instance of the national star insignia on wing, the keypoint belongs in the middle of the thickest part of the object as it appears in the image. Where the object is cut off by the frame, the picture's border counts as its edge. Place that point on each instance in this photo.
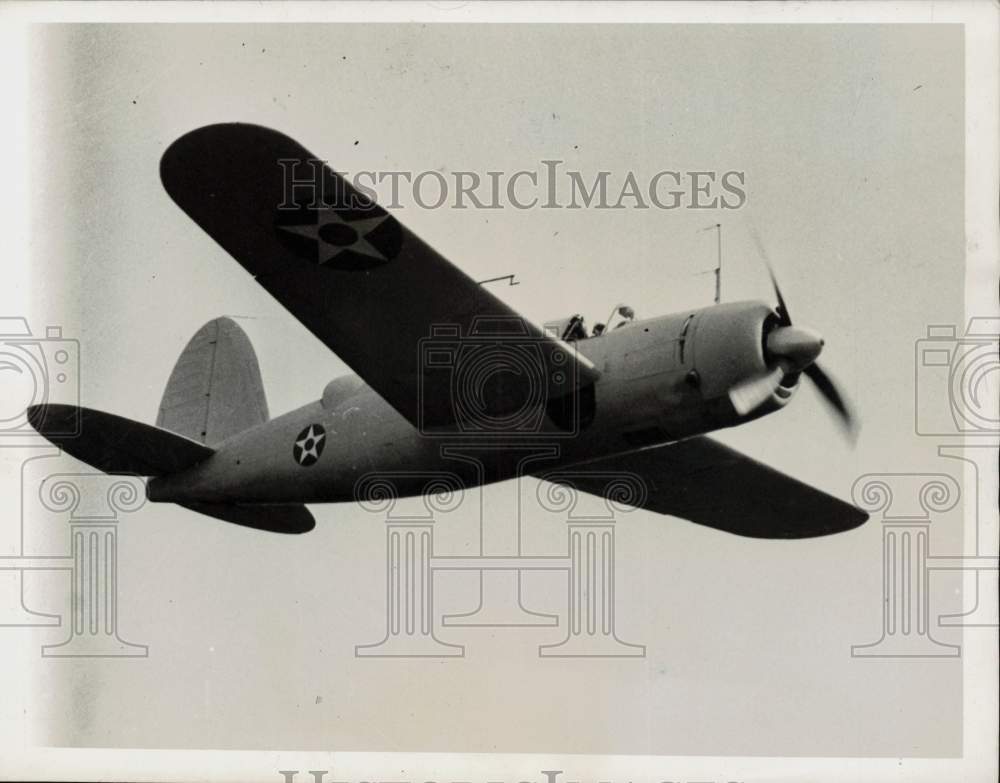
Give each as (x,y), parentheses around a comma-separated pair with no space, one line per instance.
(334,235)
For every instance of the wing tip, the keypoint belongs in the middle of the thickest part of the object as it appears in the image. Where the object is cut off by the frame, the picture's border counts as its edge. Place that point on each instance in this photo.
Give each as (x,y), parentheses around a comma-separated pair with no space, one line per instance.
(49,419)
(842,519)
(221,135)
(36,416)
(853,518)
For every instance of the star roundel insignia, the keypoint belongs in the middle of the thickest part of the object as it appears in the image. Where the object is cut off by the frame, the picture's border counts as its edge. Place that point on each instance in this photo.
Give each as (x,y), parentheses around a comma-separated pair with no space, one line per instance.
(309,445)
(339,240)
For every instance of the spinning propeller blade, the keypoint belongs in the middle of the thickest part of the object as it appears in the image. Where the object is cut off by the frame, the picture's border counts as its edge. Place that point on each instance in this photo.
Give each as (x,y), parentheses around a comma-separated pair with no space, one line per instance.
(829,392)
(785,318)
(793,350)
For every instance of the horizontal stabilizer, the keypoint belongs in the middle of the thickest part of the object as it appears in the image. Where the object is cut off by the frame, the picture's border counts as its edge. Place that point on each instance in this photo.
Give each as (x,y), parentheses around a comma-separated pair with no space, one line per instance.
(705,482)
(275,518)
(115,444)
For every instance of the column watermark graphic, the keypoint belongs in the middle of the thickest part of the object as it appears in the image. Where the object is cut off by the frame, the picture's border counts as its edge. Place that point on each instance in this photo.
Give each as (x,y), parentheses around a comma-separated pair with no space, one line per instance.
(416,628)
(90,506)
(591,595)
(906,502)
(409,552)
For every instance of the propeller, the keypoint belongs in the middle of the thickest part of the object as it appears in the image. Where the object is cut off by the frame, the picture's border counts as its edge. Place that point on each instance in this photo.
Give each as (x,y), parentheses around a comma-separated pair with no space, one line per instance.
(792,349)
(828,390)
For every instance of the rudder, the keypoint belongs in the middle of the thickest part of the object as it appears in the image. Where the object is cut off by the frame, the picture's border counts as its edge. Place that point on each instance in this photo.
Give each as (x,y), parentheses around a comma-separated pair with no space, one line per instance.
(215,390)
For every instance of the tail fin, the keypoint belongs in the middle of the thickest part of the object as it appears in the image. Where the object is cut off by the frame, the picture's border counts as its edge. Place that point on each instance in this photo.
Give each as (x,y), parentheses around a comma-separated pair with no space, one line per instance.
(115,444)
(215,390)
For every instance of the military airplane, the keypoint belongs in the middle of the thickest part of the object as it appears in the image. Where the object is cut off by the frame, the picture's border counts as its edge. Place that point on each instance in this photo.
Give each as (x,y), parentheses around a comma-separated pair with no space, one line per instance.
(450,381)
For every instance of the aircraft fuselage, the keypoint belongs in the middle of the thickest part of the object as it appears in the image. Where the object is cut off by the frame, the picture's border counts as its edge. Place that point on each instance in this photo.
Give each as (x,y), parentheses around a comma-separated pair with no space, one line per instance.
(662,379)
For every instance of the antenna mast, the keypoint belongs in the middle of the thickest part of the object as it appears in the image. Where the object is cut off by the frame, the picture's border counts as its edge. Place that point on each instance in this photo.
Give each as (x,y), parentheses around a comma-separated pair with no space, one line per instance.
(718,266)
(718,261)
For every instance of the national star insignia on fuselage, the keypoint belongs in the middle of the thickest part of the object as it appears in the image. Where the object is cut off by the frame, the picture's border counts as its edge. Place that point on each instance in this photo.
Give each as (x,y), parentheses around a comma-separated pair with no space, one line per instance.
(309,445)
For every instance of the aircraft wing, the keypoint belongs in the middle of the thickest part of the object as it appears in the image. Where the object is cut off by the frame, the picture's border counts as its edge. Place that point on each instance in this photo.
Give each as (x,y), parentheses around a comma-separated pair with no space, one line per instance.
(396,311)
(705,482)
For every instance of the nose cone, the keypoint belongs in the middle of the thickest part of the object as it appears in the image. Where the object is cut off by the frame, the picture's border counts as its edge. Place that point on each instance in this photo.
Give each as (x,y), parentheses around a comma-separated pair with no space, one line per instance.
(798,345)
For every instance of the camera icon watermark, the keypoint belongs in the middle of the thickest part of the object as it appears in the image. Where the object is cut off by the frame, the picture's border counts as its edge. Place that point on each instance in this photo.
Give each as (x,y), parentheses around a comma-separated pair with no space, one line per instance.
(498,379)
(33,371)
(966,366)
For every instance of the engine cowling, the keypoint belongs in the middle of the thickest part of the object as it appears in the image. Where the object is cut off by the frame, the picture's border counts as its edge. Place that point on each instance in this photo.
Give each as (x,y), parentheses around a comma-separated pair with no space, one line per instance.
(729,347)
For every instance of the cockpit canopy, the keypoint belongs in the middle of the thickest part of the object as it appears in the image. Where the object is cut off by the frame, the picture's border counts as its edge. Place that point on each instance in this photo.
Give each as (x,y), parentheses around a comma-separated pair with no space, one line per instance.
(574,327)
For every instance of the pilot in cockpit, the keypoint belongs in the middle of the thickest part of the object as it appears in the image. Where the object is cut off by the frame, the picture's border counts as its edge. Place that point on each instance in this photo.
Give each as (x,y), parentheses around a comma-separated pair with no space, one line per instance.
(575,328)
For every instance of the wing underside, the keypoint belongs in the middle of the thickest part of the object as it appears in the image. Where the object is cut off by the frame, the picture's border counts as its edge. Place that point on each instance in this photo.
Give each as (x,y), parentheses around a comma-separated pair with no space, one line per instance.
(705,482)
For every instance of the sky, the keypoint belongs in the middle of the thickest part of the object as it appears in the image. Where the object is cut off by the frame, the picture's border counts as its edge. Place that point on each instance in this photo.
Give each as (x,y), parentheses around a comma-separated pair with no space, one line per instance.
(851,141)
